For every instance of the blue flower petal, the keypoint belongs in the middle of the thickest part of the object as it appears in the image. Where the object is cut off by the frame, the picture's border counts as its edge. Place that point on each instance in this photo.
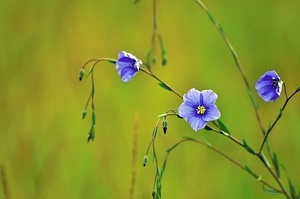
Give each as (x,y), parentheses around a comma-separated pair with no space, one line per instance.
(191,96)
(269,86)
(127,65)
(212,113)
(189,109)
(209,97)
(197,123)
(128,73)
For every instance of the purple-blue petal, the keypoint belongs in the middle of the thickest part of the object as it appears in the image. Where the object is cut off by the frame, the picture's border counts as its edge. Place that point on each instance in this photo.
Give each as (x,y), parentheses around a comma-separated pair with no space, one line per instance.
(193,97)
(187,110)
(269,86)
(128,73)
(197,123)
(191,101)
(209,97)
(127,65)
(212,113)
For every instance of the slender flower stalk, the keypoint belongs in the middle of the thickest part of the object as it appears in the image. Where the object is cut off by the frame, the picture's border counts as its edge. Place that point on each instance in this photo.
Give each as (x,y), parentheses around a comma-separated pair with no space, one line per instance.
(205,143)
(149,72)
(237,62)
(276,120)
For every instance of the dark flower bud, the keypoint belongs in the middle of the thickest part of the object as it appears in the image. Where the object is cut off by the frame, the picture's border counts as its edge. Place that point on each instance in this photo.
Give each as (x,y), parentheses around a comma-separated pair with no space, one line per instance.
(91,134)
(165,125)
(145,160)
(83,114)
(81,74)
(153,194)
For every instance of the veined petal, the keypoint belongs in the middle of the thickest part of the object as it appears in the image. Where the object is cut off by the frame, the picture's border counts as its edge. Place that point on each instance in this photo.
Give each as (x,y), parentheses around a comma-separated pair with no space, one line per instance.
(212,113)
(185,110)
(128,73)
(193,97)
(198,108)
(269,86)
(197,123)
(209,97)
(127,65)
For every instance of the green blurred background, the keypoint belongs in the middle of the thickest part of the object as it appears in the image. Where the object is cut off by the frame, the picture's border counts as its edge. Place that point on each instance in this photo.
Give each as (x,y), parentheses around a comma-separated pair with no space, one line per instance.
(43,44)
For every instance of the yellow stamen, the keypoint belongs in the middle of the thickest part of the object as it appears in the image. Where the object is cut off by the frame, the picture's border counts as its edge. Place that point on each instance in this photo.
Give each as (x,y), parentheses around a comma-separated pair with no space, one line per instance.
(201,110)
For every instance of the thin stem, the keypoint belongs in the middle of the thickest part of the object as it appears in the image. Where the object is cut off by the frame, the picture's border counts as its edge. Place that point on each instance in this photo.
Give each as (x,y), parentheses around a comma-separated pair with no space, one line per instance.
(227,135)
(222,154)
(153,135)
(155,77)
(276,120)
(237,62)
(278,180)
(97,61)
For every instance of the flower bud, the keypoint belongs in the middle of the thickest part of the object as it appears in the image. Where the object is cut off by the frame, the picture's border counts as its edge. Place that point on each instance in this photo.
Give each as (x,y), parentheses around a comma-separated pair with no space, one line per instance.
(145,160)
(153,194)
(91,134)
(165,125)
(83,114)
(81,74)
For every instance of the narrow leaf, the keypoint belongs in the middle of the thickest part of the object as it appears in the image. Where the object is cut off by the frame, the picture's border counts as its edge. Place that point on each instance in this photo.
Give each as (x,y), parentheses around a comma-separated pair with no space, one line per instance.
(250,172)
(206,142)
(222,126)
(93,118)
(270,191)
(298,89)
(162,115)
(154,132)
(277,167)
(173,147)
(247,147)
(90,72)
(208,128)
(188,138)
(292,189)
(164,86)
(280,113)
(91,135)
(112,61)
(163,50)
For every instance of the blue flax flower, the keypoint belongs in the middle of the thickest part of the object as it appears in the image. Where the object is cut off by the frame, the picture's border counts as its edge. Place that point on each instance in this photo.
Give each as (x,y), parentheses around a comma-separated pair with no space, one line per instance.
(199,107)
(127,65)
(269,86)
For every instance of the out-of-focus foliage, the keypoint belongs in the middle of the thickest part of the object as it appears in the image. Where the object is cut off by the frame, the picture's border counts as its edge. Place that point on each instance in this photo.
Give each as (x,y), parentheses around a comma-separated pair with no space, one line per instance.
(43,44)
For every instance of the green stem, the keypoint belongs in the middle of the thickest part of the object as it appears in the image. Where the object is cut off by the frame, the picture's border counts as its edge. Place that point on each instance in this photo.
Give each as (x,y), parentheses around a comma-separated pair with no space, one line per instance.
(237,62)
(228,136)
(155,77)
(220,153)
(276,120)
(277,178)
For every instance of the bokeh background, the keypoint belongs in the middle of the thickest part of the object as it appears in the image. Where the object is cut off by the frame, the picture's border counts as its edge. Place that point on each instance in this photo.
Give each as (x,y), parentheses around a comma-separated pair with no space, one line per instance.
(43,148)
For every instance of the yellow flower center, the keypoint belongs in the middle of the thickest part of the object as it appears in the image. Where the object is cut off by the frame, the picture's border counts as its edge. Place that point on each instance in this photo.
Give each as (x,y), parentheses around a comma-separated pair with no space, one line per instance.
(201,110)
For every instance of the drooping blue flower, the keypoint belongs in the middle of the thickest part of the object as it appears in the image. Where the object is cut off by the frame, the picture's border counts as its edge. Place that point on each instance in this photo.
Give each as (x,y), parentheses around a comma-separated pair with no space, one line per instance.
(199,107)
(269,86)
(127,65)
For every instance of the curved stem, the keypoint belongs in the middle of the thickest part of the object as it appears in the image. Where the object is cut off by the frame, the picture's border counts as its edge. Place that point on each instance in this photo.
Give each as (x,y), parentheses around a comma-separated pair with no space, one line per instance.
(155,77)
(276,120)
(220,153)
(278,180)
(237,62)
(227,135)
(97,61)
